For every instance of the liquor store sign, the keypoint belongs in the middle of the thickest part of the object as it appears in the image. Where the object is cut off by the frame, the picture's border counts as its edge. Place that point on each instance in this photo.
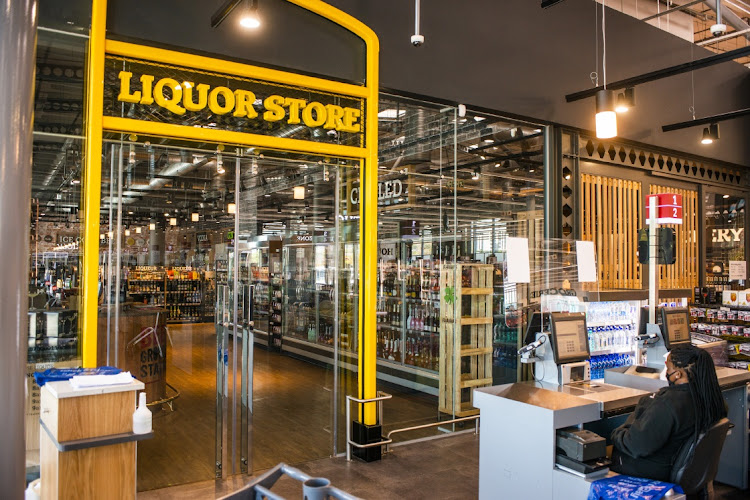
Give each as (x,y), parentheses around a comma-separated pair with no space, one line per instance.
(149,91)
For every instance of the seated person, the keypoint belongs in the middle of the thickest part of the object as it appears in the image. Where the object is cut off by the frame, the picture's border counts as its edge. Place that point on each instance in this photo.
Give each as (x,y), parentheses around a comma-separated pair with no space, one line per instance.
(647,444)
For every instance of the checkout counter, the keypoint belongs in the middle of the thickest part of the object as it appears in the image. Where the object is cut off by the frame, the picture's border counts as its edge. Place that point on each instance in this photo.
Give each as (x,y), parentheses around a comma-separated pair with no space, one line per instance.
(532,432)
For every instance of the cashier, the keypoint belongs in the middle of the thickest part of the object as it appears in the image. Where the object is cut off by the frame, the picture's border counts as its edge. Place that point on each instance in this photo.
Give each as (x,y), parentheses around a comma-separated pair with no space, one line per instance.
(647,444)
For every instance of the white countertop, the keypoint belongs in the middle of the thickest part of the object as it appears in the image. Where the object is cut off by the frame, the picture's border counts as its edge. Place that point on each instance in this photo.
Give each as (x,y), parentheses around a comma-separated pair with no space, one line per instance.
(63,389)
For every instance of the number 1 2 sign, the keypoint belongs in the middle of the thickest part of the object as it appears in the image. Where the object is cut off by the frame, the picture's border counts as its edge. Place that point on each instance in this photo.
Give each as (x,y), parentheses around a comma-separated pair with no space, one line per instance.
(668,208)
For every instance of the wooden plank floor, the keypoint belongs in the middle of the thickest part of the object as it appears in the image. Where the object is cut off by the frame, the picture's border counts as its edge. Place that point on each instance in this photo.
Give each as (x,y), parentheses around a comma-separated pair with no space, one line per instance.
(292,419)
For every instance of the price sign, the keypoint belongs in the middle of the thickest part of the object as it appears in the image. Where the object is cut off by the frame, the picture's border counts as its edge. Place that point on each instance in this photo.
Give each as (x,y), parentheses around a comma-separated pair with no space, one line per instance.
(668,208)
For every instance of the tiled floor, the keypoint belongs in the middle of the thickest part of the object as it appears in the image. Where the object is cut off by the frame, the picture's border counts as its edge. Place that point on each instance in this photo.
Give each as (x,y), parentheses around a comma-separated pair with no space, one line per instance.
(442,468)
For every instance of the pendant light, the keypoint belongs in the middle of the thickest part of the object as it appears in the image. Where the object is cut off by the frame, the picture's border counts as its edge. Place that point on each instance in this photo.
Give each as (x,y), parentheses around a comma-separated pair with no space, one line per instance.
(606,118)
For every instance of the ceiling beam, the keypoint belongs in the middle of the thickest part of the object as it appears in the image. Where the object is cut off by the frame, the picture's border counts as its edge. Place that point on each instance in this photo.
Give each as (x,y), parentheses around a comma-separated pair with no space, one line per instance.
(707,120)
(662,73)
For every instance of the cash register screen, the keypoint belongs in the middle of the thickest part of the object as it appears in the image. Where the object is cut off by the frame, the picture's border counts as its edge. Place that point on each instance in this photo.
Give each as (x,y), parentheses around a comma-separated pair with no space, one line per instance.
(569,337)
(675,324)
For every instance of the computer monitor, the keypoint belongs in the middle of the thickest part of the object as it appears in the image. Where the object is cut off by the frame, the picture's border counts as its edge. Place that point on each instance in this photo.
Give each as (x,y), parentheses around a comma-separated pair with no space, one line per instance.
(675,327)
(644,319)
(537,322)
(570,338)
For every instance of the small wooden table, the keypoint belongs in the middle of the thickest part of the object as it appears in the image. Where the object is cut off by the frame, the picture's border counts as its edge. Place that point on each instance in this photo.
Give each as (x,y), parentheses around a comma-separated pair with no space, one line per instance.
(88,448)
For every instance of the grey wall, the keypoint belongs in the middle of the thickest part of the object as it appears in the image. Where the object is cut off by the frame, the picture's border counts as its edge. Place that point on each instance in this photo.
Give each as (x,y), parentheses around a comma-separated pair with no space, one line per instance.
(507,55)
(513,56)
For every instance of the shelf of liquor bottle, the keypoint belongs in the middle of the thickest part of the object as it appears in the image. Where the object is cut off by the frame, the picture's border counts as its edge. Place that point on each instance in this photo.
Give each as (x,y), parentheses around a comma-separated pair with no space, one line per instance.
(389,326)
(421,333)
(144,292)
(614,350)
(718,306)
(183,291)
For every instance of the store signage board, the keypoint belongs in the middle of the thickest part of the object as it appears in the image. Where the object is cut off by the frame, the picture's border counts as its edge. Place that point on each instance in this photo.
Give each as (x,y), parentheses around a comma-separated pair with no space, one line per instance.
(668,208)
(409,229)
(391,192)
(586,260)
(517,260)
(737,270)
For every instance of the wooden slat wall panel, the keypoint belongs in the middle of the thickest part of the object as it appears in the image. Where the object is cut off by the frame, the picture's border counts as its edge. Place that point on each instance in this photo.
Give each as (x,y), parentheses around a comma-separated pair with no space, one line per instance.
(609,217)
(684,272)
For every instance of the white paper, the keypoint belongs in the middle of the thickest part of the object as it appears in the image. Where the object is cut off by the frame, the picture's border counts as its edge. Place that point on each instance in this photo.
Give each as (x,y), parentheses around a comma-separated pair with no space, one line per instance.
(85,381)
(737,270)
(518,260)
(586,261)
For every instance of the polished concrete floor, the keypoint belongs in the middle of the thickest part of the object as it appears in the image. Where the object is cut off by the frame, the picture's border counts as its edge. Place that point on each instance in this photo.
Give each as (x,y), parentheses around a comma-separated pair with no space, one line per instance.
(293,412)
(441,468)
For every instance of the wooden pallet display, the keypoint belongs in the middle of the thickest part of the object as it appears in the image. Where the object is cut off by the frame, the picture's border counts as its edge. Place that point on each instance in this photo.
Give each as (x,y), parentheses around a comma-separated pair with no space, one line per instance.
(465,339)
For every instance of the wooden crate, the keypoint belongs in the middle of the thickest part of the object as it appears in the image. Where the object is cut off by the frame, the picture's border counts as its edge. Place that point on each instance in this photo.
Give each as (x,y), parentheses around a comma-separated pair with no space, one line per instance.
(465,335)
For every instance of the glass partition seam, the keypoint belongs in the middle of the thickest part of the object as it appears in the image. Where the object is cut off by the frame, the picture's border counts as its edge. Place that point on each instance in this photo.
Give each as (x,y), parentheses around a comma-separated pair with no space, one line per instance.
(336,330)
(108,257)
(118,266)
(62,32)
(235,295)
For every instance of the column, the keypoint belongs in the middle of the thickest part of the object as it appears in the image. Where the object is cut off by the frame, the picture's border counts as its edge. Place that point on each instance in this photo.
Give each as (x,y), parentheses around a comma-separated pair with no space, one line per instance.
(18,20)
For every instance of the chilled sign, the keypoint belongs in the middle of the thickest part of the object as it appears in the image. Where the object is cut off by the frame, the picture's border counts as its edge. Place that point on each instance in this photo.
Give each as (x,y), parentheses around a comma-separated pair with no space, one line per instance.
(668,208)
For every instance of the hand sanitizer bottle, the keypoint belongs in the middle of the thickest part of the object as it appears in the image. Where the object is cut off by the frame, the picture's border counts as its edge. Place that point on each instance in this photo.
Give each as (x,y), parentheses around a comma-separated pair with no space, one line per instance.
(142,416)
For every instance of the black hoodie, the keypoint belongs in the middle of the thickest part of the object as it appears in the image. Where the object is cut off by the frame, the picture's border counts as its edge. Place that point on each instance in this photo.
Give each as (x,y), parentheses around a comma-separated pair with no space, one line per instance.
(647,444)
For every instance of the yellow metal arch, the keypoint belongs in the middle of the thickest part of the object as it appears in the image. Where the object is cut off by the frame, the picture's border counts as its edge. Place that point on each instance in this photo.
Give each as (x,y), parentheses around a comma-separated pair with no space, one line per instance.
(96,123)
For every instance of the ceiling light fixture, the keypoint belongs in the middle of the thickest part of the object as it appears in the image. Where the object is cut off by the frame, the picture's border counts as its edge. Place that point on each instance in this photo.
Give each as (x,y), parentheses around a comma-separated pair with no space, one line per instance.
(625,100)
(475,176)
(725,196)
(250,19)
(231,208)
(195,217)
(606,118)
(710,134)
(152,226)
(173,221)
(127,232)
(278,209)
(299,192)
(219,164)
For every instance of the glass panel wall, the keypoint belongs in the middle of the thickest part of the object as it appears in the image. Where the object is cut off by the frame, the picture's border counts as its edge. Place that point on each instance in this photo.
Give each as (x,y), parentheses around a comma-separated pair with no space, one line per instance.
(451,189)
(725,238)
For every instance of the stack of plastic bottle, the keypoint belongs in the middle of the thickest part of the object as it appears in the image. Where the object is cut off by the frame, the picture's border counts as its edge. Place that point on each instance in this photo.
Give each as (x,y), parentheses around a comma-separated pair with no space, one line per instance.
(505,356)
(612,337)
(607,361)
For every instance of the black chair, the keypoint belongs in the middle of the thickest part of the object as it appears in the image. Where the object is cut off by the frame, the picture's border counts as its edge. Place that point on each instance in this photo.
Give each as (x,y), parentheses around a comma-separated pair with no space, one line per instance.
(697,463)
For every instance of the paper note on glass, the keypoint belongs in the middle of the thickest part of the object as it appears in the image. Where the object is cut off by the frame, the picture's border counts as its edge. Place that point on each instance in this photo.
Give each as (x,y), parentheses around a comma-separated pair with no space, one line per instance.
(518,260)
(586,261)
(737,270)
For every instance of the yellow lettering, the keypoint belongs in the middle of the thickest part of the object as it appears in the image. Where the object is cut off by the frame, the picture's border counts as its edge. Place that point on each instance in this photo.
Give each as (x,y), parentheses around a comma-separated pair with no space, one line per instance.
(173,103)
(147,82)
(187,96)
(350,121)
(274,110)
(245,100)
(320,115)
(335,113)
(213,100)
(125,94)
(294,106)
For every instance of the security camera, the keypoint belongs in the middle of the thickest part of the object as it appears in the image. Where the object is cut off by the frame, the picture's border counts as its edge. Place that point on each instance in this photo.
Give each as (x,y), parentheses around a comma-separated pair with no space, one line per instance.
(417,40)
(718,29)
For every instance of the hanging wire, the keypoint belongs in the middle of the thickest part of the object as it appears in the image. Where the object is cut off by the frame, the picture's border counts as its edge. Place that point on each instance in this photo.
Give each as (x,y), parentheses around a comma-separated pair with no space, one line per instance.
(604,43)
(692,84)
(595,74)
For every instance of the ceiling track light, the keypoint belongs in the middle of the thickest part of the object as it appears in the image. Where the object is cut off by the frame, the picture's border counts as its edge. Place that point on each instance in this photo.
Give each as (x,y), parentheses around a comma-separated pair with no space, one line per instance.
(475,175)
(710,134)
(625,100)
(250,19)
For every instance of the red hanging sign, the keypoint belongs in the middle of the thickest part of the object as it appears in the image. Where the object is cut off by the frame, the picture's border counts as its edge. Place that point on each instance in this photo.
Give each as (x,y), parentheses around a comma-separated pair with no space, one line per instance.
(668,208)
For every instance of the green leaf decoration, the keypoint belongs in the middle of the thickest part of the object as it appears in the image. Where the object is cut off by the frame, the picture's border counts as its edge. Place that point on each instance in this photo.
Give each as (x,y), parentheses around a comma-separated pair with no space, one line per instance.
(450,298)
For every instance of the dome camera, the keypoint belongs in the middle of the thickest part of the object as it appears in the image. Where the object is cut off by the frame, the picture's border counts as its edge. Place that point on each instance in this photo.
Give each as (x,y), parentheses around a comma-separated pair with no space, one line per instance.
(718,29)
(417,40)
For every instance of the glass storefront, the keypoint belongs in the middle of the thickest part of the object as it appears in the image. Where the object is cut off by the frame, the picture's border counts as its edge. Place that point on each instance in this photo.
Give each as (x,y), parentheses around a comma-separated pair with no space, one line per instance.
(724,237)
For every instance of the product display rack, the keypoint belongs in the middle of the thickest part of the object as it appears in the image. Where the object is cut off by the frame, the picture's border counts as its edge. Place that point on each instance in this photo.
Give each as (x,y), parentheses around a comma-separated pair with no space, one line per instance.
(612,327)
(146,284)
(466,343)
(726,322)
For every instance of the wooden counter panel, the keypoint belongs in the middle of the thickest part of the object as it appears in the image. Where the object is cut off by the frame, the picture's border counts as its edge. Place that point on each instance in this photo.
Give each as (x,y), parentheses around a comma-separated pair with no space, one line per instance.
(88,416)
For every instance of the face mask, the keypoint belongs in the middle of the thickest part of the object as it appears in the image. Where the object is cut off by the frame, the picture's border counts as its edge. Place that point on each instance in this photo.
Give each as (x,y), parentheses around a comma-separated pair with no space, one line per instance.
(669,378)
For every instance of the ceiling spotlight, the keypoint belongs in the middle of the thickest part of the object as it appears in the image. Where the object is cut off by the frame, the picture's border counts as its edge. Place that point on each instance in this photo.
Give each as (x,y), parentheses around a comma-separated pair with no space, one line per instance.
(76,181)
(606,118)
(299,192)
(195,217)
(152,226)
(710,134)
(219,164)
(138,230)
(231,208)
(102,236)
(250,19)
(307,205)
(475,175)
(725,196)
(625,100)
(278,209)
(173,221)
(567,174)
